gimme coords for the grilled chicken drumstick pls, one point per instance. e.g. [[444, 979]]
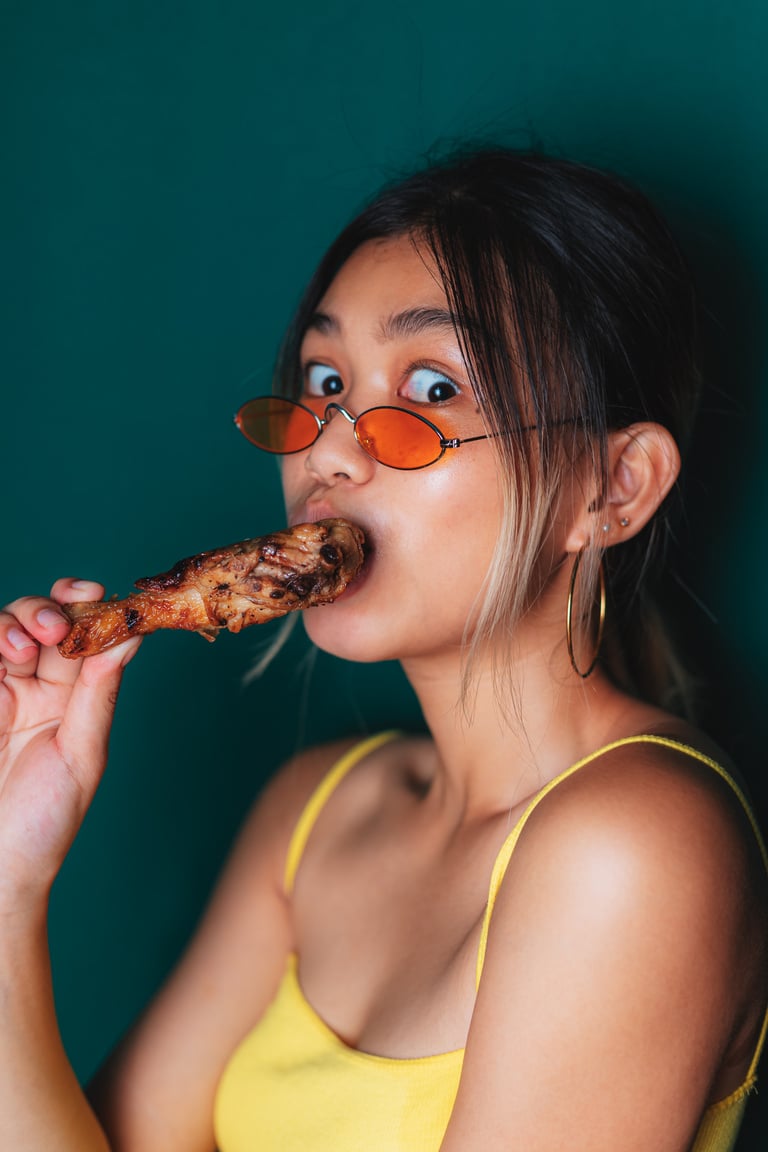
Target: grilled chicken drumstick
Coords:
[[246, 583]]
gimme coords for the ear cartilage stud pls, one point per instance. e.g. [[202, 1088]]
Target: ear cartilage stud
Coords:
[[624, 522]]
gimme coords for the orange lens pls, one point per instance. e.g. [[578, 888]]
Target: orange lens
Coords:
[[277, 425], [398, 438]]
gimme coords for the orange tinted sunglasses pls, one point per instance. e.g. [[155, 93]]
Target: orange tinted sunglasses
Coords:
[[393, 436]]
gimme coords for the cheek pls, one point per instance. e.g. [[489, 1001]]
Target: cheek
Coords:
[[452, 541], [463, 498], [292, 473]]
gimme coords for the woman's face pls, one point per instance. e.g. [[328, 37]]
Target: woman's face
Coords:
[[383, 336]]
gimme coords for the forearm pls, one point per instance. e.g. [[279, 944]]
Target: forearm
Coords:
[[42, 1108]]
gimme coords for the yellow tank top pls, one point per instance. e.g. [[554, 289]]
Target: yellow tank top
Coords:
[[294, 1086]]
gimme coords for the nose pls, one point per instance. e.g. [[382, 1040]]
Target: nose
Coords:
[[336, 454]]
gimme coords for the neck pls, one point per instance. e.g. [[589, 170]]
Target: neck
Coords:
[[508, 738]]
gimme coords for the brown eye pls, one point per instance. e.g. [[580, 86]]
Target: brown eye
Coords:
[[427, 386], [323, 381]]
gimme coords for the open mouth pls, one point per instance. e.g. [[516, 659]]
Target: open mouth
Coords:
[[368, 554], [314, 511], [361, 576]]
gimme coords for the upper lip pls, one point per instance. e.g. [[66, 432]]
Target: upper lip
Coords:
[[313, 510]]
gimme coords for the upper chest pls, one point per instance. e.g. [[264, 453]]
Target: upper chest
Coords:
[[388, 907]]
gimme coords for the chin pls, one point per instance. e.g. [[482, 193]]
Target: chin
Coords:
[[357, 627], [342, 638]]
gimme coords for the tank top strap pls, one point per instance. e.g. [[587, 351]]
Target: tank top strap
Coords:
[[320, 797], [508, 847]]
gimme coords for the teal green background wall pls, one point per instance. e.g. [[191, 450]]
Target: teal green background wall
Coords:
[[171, 171]]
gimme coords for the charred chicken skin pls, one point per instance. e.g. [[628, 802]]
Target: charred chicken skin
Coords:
[[234, 587]]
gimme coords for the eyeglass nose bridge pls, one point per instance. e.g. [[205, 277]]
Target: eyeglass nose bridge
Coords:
[[334, 407], [324, 420]]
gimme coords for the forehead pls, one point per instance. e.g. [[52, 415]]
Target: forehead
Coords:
[[382, 277]]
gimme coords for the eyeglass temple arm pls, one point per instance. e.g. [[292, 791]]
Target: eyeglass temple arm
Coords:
[[456, 443]]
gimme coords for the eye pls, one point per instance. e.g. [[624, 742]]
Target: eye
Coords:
[[427, 386], [320, 380]]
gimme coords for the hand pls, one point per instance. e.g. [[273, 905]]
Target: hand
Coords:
[[55, 719]]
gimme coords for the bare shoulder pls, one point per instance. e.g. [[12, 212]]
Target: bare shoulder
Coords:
[[275, 813], [274, 816], [648, 854], [661, 819], [659, 803], [380, 768], [630, 928]]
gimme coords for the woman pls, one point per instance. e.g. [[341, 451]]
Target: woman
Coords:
[[540, 927]]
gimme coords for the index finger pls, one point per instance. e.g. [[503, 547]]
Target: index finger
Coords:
[[31, 627], [67, 590]]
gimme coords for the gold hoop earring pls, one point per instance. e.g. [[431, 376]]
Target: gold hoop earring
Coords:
[[569, 617]]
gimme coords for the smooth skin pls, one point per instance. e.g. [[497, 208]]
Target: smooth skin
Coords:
[[625, 978]]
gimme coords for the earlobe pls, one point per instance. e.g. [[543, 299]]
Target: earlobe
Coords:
[[643, 463]]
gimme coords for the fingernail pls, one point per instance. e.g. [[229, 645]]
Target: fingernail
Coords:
[[48, 618], [80, 584], [19, 640]]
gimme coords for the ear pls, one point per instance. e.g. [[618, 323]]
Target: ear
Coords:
[[643, 463]]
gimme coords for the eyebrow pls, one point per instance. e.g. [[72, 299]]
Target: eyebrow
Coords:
[[414, 321], [398, 326]]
